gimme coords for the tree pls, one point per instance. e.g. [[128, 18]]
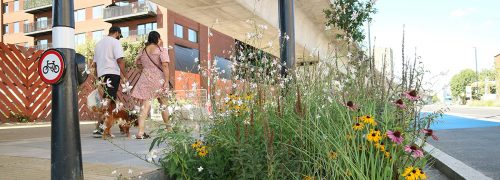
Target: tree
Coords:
[[460, 81], [488, 74]]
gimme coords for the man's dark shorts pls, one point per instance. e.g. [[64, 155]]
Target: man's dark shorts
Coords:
[[110, 92]]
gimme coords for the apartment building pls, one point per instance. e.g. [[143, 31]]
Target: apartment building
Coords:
[[28, 23]]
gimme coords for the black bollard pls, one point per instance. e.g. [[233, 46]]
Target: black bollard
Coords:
[[287, 40], [66, 152]]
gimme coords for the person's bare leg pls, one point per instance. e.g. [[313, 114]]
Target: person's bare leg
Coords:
[[146, 105], [164, 114]]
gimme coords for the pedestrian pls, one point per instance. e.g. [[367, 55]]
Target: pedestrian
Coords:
[[154, 78], [109, 65]]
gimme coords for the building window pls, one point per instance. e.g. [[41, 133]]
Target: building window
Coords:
[[16, 5], [224, 67], [97, 35], [16, 27], [178, 31], [144, 29], [123, 3], [42, 23], [185, 59], [97, 12], [6, 29], [79, 39], [192, 35], [80, 15], [125, 31], [6, 8]]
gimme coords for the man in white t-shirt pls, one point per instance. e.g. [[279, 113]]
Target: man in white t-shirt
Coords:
[[108, 65]]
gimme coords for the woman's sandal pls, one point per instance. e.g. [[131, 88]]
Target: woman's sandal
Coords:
[[144, 136]]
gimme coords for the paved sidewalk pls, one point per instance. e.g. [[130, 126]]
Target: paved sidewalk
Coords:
[[485, 113], [25, 154]]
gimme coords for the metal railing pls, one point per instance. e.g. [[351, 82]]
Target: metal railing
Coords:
[[38, 26], [129, 9], [135, 36], [32, 4], [43, 46]]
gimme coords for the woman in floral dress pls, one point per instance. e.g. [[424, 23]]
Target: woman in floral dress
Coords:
[[153, 79]]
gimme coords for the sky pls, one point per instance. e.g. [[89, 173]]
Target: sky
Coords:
[[444, 33]]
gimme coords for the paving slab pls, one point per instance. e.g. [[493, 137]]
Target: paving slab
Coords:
[[27, 155]]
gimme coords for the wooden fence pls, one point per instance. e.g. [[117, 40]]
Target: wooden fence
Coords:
[[24, 96]]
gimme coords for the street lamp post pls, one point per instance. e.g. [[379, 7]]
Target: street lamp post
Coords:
[[287, 32], [477, 75]]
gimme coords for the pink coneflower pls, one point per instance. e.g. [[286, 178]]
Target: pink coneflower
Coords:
[[399, 103], [351, 105], [430, 132], [412, 95], [396, 136], [415, 152]]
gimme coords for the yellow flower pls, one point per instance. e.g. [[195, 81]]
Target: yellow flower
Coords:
[[196, 144], [373, 136], [358, 126], [380, 146], [368, 120], [410, 173], [202, 151], [387, 154], [332, 155], [249, 97], [308, 178], [420, 174]]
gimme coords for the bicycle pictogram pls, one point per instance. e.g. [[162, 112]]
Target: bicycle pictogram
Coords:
[[52, 66]]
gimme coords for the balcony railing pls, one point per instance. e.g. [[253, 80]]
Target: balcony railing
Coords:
[[37, 28], [131, 10], [31, 6], [136, 35], [43, 46]]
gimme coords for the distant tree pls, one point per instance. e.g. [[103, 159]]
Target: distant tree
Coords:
[[460, 81], [487, 74]]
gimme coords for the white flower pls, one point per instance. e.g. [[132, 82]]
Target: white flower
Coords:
[[246, 122], [126, 87], [162, 81], [136, 110], [114, 172], [104, 102], [200, 169], [226, 99], [87, 70], [196, 60], [130, 171], [108, 83], [152, 155], [327, 28], [235, 85], [119, 105]]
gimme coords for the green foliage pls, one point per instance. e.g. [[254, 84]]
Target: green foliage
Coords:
[[460, 81], [131, 49], [489, 74], [19, 117], [297, 127], [349, 16]]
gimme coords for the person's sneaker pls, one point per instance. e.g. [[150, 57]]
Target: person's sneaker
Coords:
[[97, 133]]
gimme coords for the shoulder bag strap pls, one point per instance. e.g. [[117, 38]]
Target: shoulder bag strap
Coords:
[[169, 83]]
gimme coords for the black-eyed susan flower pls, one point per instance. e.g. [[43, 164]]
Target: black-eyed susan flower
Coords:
[[358, 126], [409, 173], [380, 146], [373, 136], [196, 144], [332, 155], [368, 120], [420, 173], [308, 178], [202, 151]]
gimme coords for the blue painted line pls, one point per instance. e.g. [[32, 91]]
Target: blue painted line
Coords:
[[457, 122]]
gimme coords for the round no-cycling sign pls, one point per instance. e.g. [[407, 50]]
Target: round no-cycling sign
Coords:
[[51, 66]]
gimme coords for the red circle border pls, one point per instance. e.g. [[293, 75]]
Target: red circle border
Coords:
[[45, 54]]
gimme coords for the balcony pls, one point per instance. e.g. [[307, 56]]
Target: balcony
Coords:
[[130, 11], [38, 28], [34, 6], [42, 46]]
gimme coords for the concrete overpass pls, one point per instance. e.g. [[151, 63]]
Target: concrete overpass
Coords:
[[238, 18]]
